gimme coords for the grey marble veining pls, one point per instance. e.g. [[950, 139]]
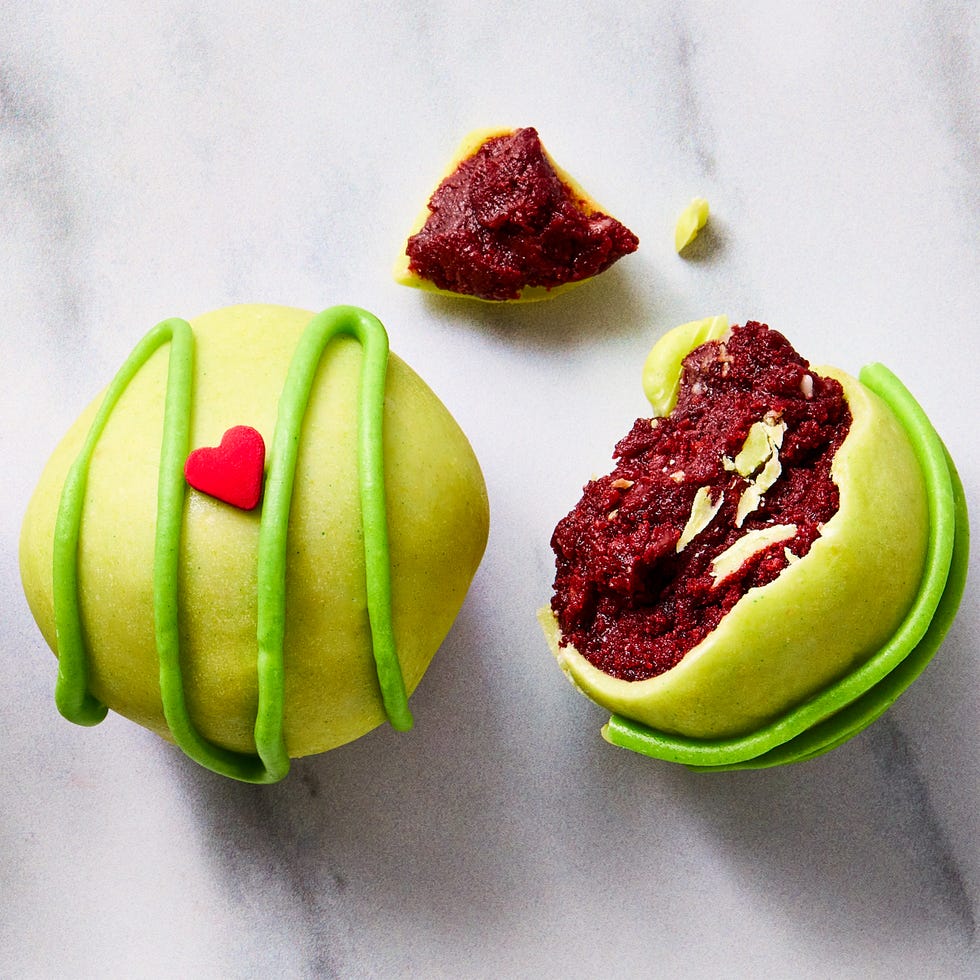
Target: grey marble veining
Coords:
[[924, 827], [175, 156]]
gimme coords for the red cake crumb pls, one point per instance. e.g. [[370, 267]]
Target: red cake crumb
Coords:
[[624, 597], [504, 220]]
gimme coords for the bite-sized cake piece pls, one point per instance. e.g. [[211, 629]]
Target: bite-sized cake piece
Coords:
[[506, 223], [254, 541], [764, 535]]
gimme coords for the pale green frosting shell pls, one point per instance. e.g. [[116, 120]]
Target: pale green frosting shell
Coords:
[[821, 617], [437, 519]]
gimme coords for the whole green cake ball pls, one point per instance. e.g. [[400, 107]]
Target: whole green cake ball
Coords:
[[338, 578]]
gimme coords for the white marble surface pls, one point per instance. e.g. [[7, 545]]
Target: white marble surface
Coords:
[[173, 156]]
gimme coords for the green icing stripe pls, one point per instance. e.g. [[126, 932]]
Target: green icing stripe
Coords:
[[323, 328], [71, 691], [171, 494]]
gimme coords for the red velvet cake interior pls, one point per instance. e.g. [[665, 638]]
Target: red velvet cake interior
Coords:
[[657, 552]]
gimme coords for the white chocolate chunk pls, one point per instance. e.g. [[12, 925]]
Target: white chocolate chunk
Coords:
[[751, 543], [764, 440], [760, 449], [755, 450], [770, 473], [702, 514], [748, 502]]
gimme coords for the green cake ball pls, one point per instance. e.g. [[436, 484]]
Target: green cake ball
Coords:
[[706, 546], [253, 635]]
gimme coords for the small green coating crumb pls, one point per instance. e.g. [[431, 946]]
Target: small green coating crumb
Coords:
[[692, 219]]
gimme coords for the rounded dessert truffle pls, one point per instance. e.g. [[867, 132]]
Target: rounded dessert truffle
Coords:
[[506, 223], [760, 539], [252, 636]]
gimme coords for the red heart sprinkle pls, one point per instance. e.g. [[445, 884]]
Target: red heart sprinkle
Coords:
[[231, 472]]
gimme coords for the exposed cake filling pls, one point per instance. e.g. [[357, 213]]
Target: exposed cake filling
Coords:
[[504, 220], [715, 499]]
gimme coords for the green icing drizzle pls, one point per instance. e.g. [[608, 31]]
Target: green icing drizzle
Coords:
[[271, 763], [71, 689]]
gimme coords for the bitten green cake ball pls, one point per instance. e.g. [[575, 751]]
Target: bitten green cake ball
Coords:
[[720, 600]]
